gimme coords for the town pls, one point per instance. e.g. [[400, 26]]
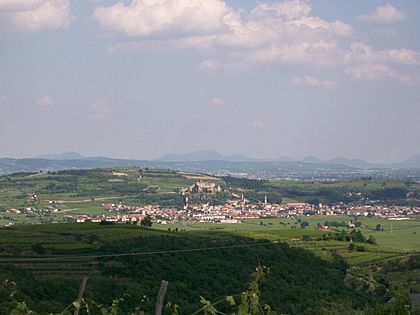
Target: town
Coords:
[[239, 209], [233, 210]]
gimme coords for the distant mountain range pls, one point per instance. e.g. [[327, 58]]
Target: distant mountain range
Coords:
[[211, 155], [209, 161]]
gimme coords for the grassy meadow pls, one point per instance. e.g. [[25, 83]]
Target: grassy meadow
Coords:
[[78, 192], [212, 274]]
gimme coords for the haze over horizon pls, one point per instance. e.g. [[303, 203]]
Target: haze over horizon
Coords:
[[137, 79], [209, 154]]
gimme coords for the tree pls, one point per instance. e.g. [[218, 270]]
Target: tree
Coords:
[[360, 248], [371, 240], [146, 222], [304, 224], [357, 236]]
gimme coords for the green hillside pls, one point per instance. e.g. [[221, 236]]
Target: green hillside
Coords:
[[84, 191], [313, 271], [299, 282], [76, 192]]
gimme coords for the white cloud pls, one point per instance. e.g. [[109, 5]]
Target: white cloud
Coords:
[[45, 101], [384, 14], [378, 73], [321, 53], [258, 124], [212, 24], [276, 33], [19, 4], [166, 17], [97, 111], [35, 15], [217, 101], [307, 80], [288, 9], [363, 52]]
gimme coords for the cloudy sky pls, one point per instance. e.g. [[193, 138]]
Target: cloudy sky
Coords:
[[141, 78]]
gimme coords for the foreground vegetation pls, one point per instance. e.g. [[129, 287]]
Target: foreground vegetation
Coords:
[[308, 275], [304, 282], [313, 270], [248, 302]]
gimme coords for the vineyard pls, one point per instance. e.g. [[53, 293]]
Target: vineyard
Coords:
[[83, 192], [209, 273], [312, 270], [47, 263]]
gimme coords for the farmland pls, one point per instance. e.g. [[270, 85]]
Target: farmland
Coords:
[[300, 252], [202, 276], [83, 192], [400, 236], [72, 245], [296, 248]]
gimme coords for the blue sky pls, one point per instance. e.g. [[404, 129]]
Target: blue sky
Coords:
[[141, 78]]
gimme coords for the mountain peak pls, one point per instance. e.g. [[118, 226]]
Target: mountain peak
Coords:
[[411, 162]]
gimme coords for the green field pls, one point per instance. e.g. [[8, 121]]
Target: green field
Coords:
[[389, 191], [295, 254], [84, 191], [195, 270], [397, 236], [403, 238], [209, 272]]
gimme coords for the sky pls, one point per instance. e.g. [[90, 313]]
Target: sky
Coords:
[[142, 78]]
